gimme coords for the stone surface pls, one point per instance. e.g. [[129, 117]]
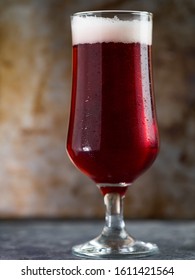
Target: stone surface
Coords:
[[53, 240], [36, 177]]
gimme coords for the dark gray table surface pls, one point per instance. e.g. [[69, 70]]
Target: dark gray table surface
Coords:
[[53, 239]]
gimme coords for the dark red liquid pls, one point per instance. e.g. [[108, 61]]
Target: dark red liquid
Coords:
[[113, 132]]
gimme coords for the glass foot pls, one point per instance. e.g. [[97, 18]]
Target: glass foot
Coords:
[[98, 248]]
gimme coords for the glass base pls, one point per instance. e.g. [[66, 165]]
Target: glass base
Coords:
[[127, 248], [114, 242]]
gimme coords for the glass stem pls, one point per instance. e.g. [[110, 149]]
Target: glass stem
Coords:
[[114, 222]]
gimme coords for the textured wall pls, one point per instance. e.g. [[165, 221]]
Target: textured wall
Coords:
[[36, 176]]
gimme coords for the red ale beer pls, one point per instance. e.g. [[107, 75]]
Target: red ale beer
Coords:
[[113, 133]]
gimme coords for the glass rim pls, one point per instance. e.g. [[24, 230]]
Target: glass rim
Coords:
[[133, 12]]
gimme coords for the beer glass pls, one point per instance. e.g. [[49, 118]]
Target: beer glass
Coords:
[[113, 135]]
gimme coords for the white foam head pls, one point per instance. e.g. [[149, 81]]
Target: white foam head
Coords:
[[92, 29]]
